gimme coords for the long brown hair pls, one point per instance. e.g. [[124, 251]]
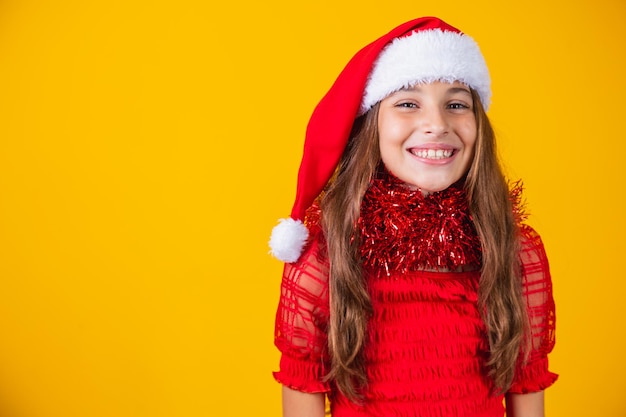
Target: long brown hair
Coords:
[[500, 299]]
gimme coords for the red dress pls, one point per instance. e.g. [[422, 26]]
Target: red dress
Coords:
[[426, 345]]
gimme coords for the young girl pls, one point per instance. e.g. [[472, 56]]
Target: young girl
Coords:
[[412, 287]]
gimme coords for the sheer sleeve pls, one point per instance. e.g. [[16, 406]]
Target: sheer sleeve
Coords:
[[533, 375], [302, 319]]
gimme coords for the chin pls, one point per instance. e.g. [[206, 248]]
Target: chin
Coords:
[[427, 183], [435, 188]]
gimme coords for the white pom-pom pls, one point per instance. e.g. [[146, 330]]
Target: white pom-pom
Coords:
[[288, 239]]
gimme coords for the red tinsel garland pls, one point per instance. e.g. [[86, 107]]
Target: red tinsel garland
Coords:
[[403, 230]]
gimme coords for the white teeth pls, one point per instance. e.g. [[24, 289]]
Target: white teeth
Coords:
[[433, 153]]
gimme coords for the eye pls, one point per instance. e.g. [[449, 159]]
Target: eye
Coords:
[[458, 106], [407, 105]]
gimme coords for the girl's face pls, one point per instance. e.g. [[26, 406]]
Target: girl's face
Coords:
[[427, 134]]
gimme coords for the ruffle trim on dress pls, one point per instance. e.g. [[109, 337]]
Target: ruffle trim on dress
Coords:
[[533, 377], [302, 375]]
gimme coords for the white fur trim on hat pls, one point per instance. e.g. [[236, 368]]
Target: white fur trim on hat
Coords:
[[288, 239], [425, 57]]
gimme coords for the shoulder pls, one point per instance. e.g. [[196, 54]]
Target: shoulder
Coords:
[[307, 278], [314, 254], [535, 274], [315, 249], [532, 253]]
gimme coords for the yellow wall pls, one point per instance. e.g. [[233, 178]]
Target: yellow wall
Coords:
[[148, 147]]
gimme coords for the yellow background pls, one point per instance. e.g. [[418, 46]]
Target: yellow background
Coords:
[[148, 147]]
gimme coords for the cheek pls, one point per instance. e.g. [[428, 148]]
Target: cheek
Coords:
[[471, 154], [391, 129], [470, 135], [386, 138], [471, 144], [391, 140], [469, 138]]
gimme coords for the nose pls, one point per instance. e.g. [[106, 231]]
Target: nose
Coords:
[[435, 123]]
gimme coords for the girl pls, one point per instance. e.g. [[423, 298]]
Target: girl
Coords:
[[412, 287]]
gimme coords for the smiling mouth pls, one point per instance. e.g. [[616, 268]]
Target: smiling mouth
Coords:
[[432, 153]]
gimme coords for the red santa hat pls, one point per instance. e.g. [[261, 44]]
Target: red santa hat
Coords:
[[420, 51]]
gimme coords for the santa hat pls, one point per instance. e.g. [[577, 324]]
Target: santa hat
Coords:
[[420, 51]]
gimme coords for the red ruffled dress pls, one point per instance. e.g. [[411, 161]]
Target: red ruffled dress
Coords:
[[426, 342]]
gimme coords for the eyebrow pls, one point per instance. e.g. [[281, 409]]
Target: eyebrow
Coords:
[[459, 90]]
